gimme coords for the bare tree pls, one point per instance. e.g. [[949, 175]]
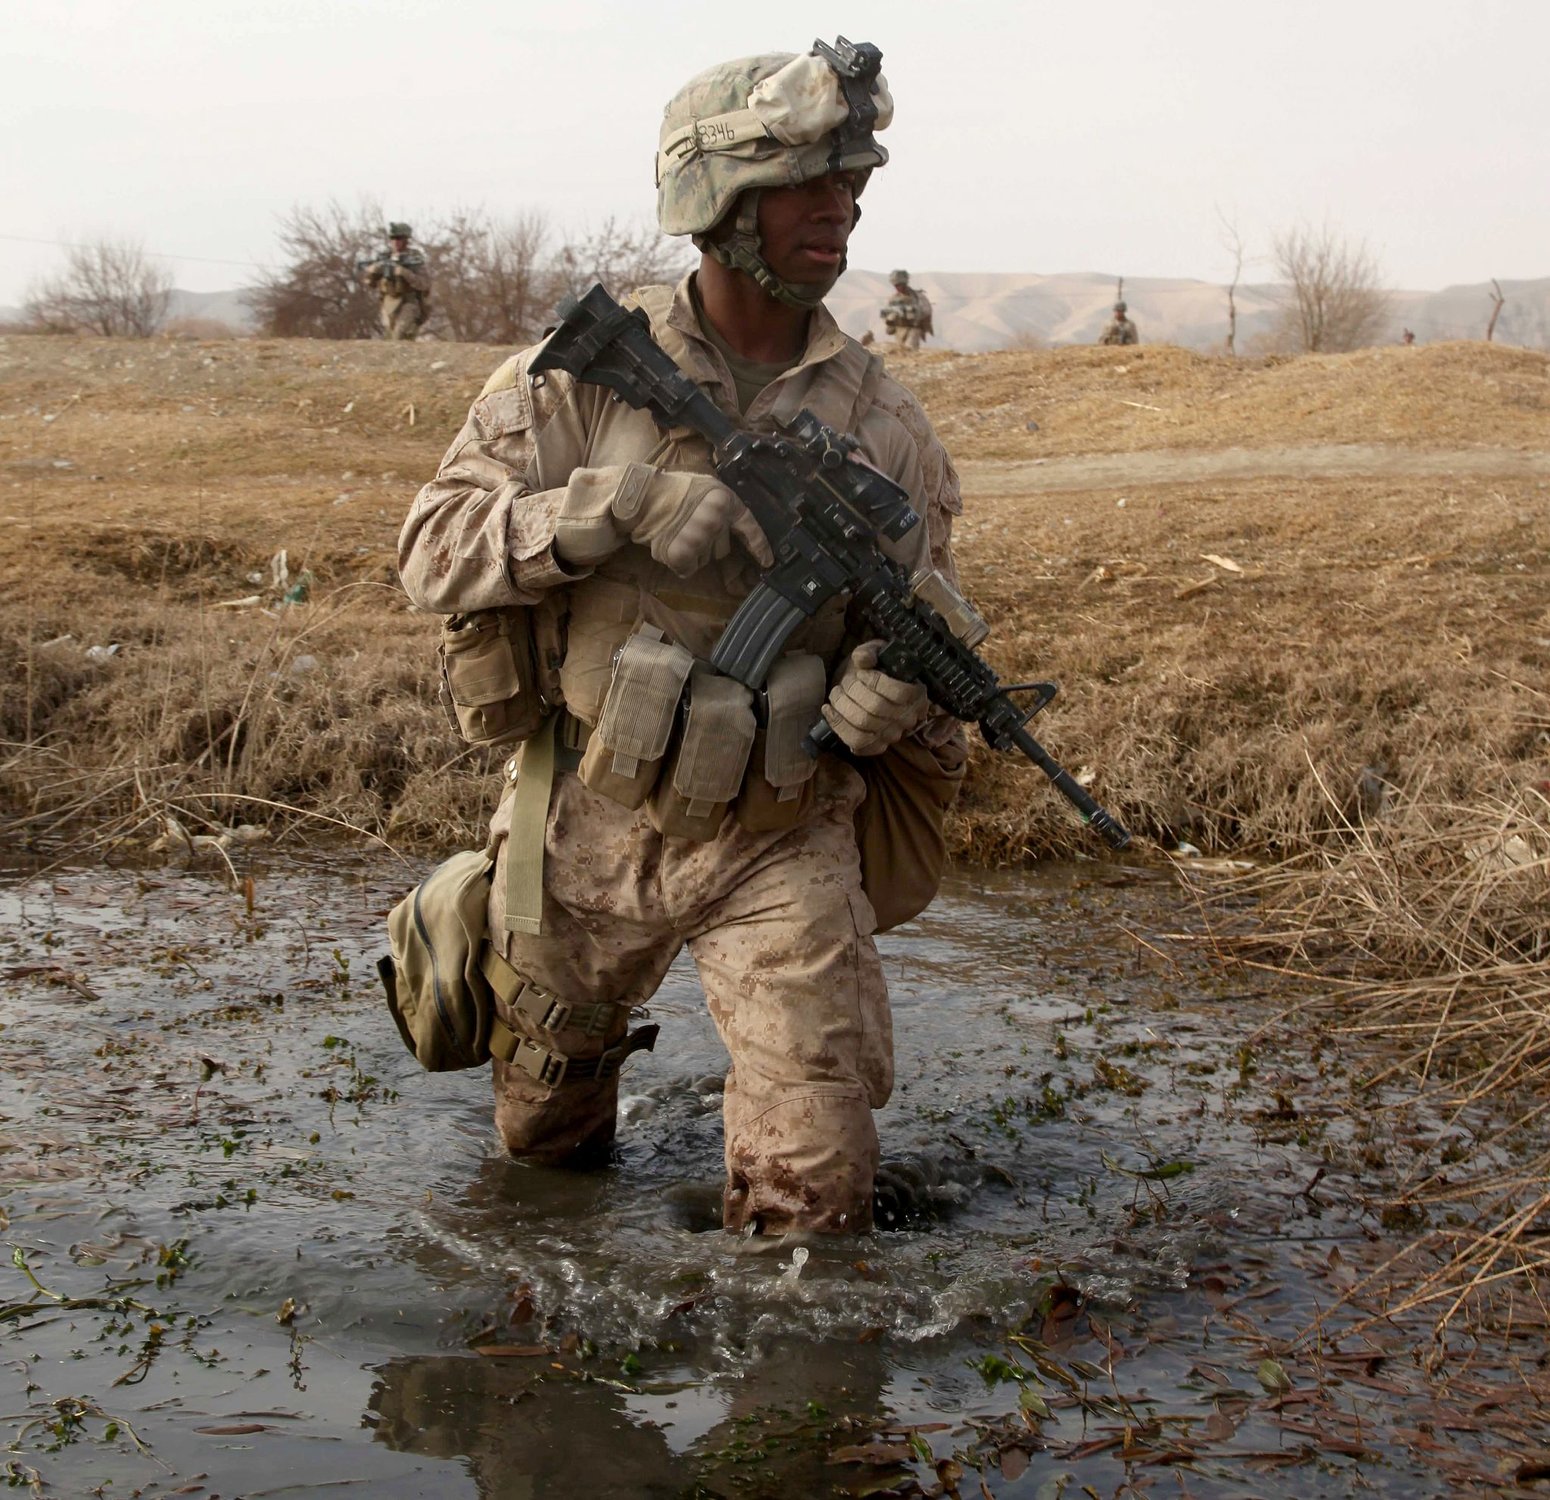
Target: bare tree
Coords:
[[1497, 303], [107, 287], [317, 294], [622, 257], [1233, 240], [492, 283], [1337, 301]]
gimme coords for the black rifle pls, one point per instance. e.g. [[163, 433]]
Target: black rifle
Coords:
[[392, 264], [822, 507]]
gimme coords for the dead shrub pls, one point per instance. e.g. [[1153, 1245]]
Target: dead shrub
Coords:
[[108, 287], [1426, 929]]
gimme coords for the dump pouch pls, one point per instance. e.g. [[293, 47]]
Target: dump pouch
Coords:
[[778, 790], [909, 789], [709, 760], [499, 671], [436, 988], [624, 755]]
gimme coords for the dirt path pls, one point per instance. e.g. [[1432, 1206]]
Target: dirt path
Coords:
[[1098, 471]]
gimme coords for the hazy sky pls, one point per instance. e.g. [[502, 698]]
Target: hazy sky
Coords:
[[1036, 136]]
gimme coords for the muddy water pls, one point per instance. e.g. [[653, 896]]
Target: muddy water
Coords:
[[258, 1252]]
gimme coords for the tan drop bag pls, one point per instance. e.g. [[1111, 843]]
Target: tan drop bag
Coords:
[[436, 988]]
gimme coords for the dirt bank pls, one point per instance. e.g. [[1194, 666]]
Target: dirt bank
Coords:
[[1261, 584]]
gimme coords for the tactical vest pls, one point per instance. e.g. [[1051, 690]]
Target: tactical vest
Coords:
[[653, 723]]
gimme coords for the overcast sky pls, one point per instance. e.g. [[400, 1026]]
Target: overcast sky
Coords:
[[1035, 136]]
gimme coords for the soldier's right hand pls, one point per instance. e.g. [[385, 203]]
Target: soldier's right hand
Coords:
[[685, 520]]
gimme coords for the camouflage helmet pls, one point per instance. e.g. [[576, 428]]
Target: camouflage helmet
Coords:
[[899, 278], [1119, 309], [770, 121], [397, 230]]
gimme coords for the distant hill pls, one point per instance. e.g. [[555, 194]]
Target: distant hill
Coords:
[[990, 310], [225, 307], [979, 310]]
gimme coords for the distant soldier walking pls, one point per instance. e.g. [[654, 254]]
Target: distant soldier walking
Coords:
[[1120, 329], [402, 283], [907, 314]]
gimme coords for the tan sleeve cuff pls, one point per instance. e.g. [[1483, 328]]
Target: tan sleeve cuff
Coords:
[[542, 572]]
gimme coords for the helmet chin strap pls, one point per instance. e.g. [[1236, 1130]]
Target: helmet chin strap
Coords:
[[741, 250]]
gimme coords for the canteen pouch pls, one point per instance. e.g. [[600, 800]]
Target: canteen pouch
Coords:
[[624, 755], [436, 990], [499, 672], [712, 753], [778, 790]]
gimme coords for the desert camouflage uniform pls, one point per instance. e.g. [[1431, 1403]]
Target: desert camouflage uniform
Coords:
[[401, 283], [907, 317], [776, 922], [1120, 330]]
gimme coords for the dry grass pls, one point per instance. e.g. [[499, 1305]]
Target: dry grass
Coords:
[[1375, 623], [1102, 400], [1425, 929]]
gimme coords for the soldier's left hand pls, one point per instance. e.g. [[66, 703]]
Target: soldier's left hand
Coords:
[[870, 710]]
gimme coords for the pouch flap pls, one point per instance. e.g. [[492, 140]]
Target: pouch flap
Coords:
[[795, 691], [642, 703], [717, 739]]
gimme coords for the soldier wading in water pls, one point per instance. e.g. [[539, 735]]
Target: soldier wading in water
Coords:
[[662, 806]]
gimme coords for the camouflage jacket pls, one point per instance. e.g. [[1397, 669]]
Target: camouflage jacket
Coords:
[[480, 534], [1120, 331]]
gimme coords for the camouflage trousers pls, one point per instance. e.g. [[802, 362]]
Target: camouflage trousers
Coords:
[[906, 337], [780, 931], [401, 317]]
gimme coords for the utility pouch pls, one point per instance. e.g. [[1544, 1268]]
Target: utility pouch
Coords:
[[910, 788], [778, 790], [624, 755], [712, 755], [498, 672], [436, 988]]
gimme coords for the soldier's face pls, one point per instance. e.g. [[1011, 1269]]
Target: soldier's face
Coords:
[[399, 244], [803, 230]]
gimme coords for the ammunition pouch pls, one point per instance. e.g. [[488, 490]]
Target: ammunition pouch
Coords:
[[500, 671], [778, 790], [692, 797], [624, 755]]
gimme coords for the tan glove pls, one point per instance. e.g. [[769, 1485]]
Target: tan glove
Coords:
[[870, 710], [686, 520]]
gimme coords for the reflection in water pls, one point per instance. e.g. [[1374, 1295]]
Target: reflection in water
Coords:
[[529, 1432], [521, 1436]]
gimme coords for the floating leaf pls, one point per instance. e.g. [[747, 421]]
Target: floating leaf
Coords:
[[1034, 1404], [1273, 1377], [1014, 1464]]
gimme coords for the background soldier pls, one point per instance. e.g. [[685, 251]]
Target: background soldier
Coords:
[[402, 283], [676, 816], [907, 314], [1120, 329]]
